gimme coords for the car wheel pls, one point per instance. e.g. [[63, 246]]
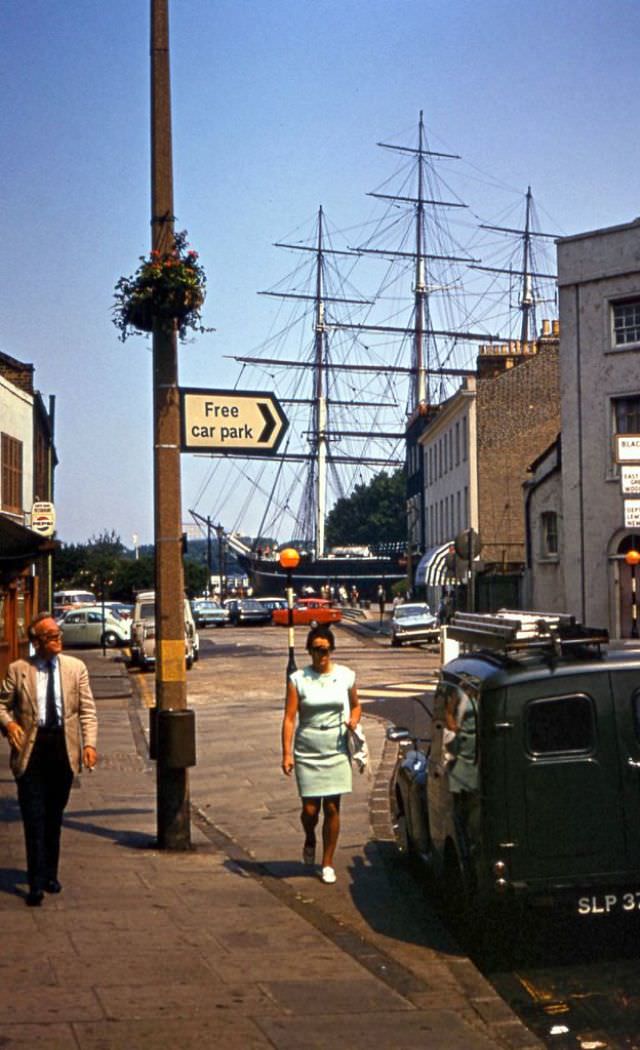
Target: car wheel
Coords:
[[220, 624], [401, 831], [189, 662], [110, 639], [396, 643]]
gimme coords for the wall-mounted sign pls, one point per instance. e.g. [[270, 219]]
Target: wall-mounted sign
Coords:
[[628, 448], [630, 479], [632, 514], [238, 422], [43, 518]]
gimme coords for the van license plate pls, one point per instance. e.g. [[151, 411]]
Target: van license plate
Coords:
[[609, 903]]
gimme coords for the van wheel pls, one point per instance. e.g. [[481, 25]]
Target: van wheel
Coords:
[[110, 639], [189, 662], [396, 643]]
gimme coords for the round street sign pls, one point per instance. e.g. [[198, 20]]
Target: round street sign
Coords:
[[43, 518]]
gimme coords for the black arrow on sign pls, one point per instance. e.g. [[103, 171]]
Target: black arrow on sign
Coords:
[[269, 423]]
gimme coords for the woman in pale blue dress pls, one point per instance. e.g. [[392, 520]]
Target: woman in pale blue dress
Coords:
[[324, 700]]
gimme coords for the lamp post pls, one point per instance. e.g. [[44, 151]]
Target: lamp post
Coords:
[[632, 558], [289, 560]]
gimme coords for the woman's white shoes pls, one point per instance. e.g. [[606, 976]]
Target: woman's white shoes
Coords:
[[328, 875]]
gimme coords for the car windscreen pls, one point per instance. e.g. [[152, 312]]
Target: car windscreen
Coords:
[[248, 603], [148, 611], [411, 610]]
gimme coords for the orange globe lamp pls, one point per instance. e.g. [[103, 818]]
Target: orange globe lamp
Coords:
[[289, 558], [632, 557]]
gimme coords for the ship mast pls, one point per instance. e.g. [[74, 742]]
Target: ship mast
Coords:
[[320, 399], [528, 298], [420, 291]]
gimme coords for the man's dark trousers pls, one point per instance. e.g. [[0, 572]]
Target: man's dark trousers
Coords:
[[43, 792]]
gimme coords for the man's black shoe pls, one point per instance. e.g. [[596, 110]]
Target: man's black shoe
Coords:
[[53, 886], [35, 898]]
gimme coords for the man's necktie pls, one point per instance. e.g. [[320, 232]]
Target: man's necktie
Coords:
[[51, 714]]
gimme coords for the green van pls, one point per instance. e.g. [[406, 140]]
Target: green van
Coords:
[[529, 787]]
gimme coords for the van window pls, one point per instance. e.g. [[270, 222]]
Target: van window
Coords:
[[560, 725]]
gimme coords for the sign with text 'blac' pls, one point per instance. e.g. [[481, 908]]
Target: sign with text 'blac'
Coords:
[[628, 448], [237, 422]]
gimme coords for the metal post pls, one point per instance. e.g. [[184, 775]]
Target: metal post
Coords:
[[209, 555], [289, 559], [291, 663], [634, 603], [471, 598], [104, 647], [173, 817]]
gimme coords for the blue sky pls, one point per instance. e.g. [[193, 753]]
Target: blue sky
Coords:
[[277, 107]]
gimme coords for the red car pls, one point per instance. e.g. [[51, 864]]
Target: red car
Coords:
[[308, 611]]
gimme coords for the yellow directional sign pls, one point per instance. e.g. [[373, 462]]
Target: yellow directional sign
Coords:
[[238, 422]]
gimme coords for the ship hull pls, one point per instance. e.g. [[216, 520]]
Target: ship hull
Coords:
[[366, 574]]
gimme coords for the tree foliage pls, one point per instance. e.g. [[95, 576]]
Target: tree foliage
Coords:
[[374, 513], [104, 563]]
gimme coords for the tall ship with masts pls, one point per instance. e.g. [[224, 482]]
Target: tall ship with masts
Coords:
[[371, 363]]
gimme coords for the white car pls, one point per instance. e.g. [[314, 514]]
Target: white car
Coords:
[[85, 626], [414, 622], [143, 632]]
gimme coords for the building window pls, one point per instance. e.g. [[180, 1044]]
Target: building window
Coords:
[[457, 443], [627, 415], [11, 459], [626, 322], [549, 525], [464, 439]]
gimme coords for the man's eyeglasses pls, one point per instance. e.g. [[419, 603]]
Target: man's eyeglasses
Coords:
[[50, 636], [320, 649]]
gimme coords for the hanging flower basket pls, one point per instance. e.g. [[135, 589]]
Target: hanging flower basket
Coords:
[[167, 289]]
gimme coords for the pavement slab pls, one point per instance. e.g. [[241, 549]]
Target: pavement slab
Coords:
[[233, 943]]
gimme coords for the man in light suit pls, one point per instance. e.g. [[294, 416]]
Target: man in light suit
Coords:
[[48, 714]]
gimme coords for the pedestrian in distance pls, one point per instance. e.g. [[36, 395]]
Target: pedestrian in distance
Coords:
[[382, 598], [323, 699], [48, 714]]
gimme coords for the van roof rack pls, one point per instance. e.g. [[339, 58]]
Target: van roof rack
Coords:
[[511, 629]]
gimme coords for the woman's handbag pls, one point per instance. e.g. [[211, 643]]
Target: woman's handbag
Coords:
[[358, 748]]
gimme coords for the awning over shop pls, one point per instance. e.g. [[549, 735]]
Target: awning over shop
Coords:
[[432, 567], [19, 545]]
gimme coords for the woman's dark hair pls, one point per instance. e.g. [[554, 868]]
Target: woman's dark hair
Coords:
[[321, 630]]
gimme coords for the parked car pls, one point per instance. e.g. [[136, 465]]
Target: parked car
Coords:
[[143, 632], [527, 788], [414, 622], [273, 603], [208, 613], [308, 611], [247, 611], [85, 626], [121, 609]]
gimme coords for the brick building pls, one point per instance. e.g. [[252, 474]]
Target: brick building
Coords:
[[27, 462], [518, 409], [476, 454]]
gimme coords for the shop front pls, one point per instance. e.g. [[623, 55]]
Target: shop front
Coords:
[[23, 574]]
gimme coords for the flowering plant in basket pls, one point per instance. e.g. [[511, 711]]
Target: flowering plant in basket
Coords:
[[167, 286]]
